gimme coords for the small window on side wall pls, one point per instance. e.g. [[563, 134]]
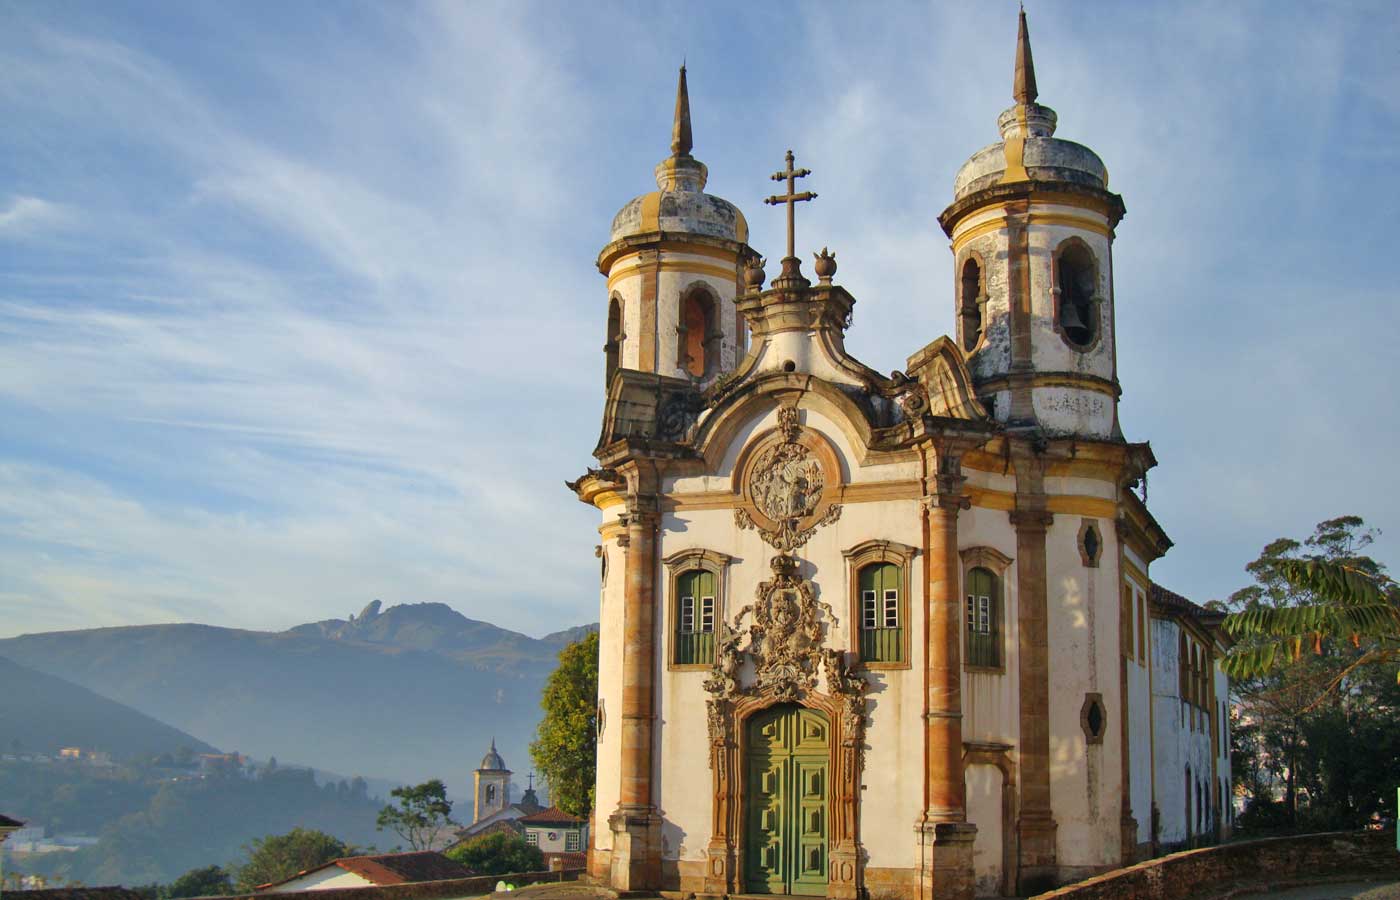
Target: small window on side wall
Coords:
[[981, 613], [881, 614]]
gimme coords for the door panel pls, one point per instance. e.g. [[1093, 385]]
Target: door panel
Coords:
[[786, 839]]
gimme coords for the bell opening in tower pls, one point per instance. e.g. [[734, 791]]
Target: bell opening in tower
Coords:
[[1078, 319]]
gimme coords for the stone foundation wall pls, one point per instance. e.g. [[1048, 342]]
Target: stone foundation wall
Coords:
[[1219, 871]]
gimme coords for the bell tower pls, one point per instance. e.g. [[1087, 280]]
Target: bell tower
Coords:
[[490, 785], [674, 263], [1032, 226]]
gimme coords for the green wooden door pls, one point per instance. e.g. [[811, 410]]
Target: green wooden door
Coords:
[[788, 753]]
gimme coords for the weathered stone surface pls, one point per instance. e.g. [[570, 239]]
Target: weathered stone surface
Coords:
[[1222, 871]]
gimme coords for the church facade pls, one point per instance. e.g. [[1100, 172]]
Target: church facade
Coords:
[[886, 636]]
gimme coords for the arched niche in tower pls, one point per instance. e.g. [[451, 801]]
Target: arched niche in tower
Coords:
[[612, 349], [698, 334], [972, 280], [1076, 273]]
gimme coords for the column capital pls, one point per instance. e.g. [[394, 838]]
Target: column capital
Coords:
[[948, 500], [1030, 519]]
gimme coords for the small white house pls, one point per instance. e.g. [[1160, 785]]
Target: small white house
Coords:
[[557, 833]]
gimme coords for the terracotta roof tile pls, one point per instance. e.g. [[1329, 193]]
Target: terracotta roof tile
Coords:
[[7, 822], [551, 816], [1173, 601], [403, 868]]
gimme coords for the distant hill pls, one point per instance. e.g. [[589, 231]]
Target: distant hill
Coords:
[[41, 713], [411, 692]]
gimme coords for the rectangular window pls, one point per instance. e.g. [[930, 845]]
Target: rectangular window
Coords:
[[532, 838], [697, 606], [980, 627], [881, 618], [571, 842]]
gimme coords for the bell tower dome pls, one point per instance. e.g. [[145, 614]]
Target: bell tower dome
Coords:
[[490, 785], [1032, 226], [674, 263]]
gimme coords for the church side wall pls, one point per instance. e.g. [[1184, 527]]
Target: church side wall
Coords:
[[992, 701], [1140, 717], [609, 684], [1085, 777]]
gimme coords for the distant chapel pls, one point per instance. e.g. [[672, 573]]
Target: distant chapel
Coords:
[[886, 636]]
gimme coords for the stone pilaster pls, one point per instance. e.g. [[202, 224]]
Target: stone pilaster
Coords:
[[946, 836], [1018, 285], [1036, 824], [636, 853]]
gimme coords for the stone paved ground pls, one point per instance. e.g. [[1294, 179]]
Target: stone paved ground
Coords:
[[565, 890], [1349, 891]]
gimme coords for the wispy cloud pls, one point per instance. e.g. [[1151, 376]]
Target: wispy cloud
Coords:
[[306, 313]]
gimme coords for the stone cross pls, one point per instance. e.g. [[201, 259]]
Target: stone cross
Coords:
[[791, 198]]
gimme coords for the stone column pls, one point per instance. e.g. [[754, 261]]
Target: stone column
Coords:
[[1036, 824], [636, 853], [1018, 287], [946, 836]]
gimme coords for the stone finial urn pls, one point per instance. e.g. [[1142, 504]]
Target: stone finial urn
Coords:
[[826, 265]]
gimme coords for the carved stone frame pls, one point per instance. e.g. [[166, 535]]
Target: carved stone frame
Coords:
[[999, 755], [857, 558], [998, 564], [677, 564], [979, 303], [724, 867], [1085, 526]]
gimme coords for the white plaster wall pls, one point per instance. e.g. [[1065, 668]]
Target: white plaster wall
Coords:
[[992, 702], [984, 786], [542, 833], [1085, 779], [1140, 729], [608, 783], [1176, 744], [323, 880], [629, 288]]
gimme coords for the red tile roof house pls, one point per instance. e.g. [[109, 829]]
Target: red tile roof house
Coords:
[[560, 836], [371, 871]]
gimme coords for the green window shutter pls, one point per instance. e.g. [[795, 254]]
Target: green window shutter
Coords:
[[696, 610], [882, 613], [983, 613]]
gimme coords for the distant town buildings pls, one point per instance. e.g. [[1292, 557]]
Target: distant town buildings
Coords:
[[492, 809]]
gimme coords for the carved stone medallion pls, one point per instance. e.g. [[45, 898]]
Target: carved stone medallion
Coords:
[[785, 486]]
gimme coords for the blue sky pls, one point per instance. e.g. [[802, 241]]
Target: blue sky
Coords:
[[298, 306]]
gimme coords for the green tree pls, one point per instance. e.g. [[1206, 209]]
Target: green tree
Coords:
[[498, 853], [276, 857], [423, 814], [210, 881], [1316, 702], [565, 749]]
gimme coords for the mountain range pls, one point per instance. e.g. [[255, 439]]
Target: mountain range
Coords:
[[411, 692]]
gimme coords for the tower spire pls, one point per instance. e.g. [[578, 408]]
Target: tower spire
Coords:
[[680, 130], [1023, 88]]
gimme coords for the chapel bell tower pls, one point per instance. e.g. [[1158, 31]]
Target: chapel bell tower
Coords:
[[1032, 226], [490, 785], [674, 263]]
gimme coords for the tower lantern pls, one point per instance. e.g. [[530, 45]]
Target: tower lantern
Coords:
[[1032, 227], [674, 262]]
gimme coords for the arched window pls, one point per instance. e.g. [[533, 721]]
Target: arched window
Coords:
[[970, 303], [1076, 277], [696, 605], [698, 334], [695, 617], [881, 613], [612, 350], [490, 793], [982, 615]]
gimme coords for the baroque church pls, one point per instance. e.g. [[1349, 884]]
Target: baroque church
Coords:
[[869, 635]]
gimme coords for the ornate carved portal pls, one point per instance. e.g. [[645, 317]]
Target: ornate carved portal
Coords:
[[781, 657]]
